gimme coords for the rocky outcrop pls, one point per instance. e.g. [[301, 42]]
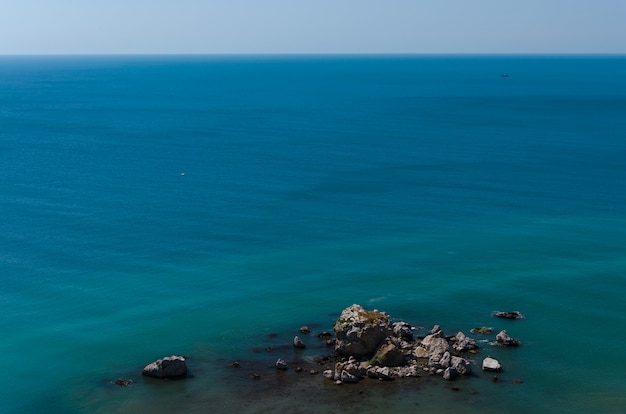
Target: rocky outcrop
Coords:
[[377, 348], [168, 367], [360, 332]]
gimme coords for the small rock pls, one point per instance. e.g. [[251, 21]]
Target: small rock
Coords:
[[324, 335], [281, 365], [255, 376], [305, 329], [123, 382], [491, 364], [297, 343], [504, 339], [450, 374], [235, 365], [508, 315], [348, 378], [298, 369]]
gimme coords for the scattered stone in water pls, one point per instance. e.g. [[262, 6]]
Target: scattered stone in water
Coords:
[[503, 339], [314, 372], [272, 335], [298, 369], [269, 349], [324, 335], [491, 364], [508, 315], [297, 343], [473, 391], [168, 367], [235, 365], [495, 378], [482, 330], [255, 376], [305, 329], [455, 388], [123, 382], [281, 364], [518, 381]]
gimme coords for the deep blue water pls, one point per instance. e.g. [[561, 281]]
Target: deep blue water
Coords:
[[190, 205]]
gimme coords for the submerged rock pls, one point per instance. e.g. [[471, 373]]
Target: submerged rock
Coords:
[[168, 367], [508, 315]]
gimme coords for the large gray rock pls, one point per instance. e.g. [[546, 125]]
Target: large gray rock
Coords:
[[436, 343], [461, 365], [168, 367], [360, 332], [462, 343], [388, 355], [491, 364]]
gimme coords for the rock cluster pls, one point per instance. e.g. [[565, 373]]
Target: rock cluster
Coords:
[[372, 346]]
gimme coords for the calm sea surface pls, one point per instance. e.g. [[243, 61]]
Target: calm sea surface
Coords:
[[192, 205]]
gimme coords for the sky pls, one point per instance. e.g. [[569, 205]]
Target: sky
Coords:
[[312, 26]]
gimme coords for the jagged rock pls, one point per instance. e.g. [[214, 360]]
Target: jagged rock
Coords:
[[436, 346], [439, 361], [329, 374], [297, 343], [462, 343], [503, 339], [305, 329], [168, 367], [380, 373], [324, 335], [408, 371], [436, 329], [461, 365], [348, 378], [281, 364], [403, 330], [450, 374], [360, 332], [491, 364], [388, 355]]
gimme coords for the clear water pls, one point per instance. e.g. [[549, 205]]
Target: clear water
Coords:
[[191, 205]]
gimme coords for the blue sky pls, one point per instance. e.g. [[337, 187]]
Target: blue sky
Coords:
[[312, 26]]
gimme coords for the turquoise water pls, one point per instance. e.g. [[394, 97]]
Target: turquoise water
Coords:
[[192, 205]]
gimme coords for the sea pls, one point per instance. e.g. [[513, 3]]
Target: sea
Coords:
[[210, 206]]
